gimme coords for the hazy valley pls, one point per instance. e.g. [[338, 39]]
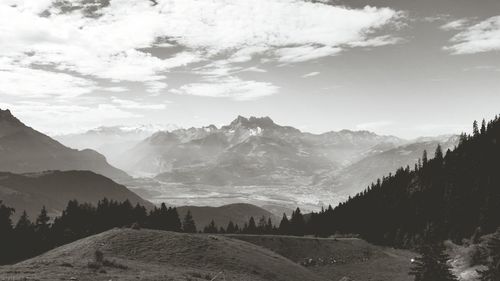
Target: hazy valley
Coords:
[[254, 160]]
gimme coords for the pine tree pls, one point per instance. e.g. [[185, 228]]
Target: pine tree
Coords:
[[230, 227], [24, 237], [284, 227], [425, 160], [483, 127], [211, 228], [42, 221], [438, 155], [492, 273], [269, 226], [188, 225], [297, 223], [261, 228], [475, 129], [6, 233], [432, 264], [251, 228], [42, 228]]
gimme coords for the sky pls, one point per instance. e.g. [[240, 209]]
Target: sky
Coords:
[[406, 68]]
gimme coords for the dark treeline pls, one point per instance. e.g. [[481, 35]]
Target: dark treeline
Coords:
[[28, 238], [295, 226], [452, 196]]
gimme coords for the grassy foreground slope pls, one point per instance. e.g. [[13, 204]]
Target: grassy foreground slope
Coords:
[[335, 259], [159, 255]]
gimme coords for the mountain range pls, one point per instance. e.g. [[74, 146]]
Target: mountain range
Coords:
[[258, 152], [249, 151], [255, 151]]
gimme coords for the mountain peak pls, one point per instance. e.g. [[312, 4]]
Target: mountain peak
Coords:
[[6, 115], [9, 123], [252, 122]]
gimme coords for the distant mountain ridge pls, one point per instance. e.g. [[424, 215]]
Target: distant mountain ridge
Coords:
[[238, 213], [23, 149], [53, 189], [112, 141]]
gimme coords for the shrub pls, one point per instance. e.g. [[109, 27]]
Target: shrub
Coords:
[[98, 256]]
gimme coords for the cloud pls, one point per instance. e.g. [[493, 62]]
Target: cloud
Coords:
[[37, 83], [305, 53], [372, 126], [228, 87], [310, 74], [118, 42], [130, 104], [455, 25], [478, 38], [48, 117], [115, 89]]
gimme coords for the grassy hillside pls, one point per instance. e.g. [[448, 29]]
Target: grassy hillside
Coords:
[[158, 255], [335, 259]]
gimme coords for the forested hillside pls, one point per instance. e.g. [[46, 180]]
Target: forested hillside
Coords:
[[453, 195]]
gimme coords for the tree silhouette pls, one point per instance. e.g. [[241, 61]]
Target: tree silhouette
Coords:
[[230, 227], [297, 223], [492, 273], [432, 265], [251, 227], [284, 227], [25, 237], [188, 225], [6, 233], [211, 227]]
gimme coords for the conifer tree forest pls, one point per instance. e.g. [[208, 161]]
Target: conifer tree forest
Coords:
[[452, 195]]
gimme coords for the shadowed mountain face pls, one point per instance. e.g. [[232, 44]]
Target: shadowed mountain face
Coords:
[[249, 151], [237, 213], [54, 189], [23, 149]]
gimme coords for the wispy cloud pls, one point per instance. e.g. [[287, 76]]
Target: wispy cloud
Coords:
[[311, 74], [455, 25], [478, 38], [228, 87], [130, 104]]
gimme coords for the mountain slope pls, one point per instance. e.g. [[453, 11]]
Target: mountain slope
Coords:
[[55, 188], [237, 213], [160, 255], [449, 197], [361, 174], [22, 149]]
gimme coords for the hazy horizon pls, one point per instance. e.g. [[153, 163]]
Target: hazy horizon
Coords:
[[155, 127]]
